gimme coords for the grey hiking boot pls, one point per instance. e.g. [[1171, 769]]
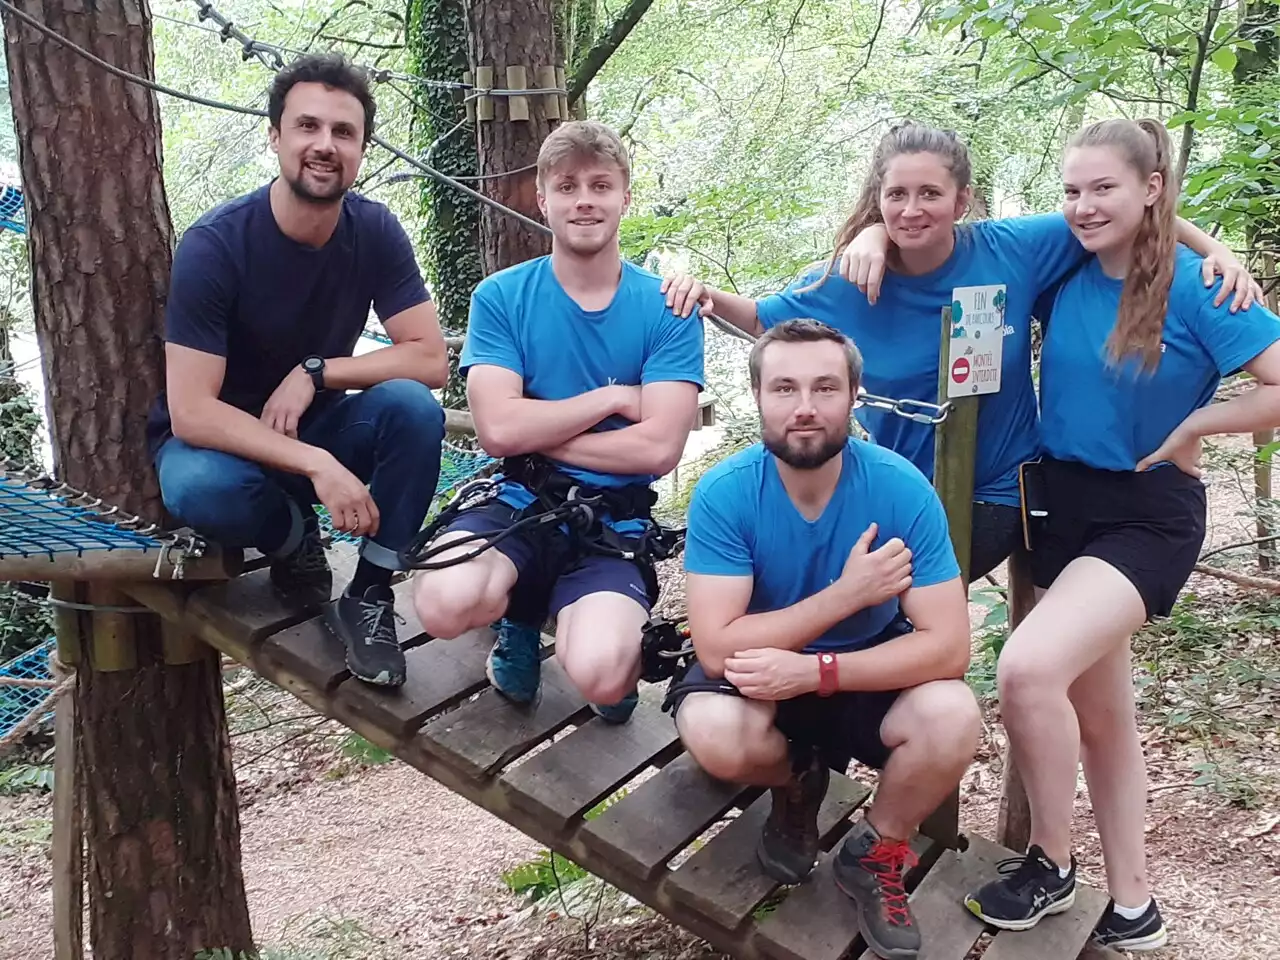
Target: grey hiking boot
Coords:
[[872, 871], [788, 845]]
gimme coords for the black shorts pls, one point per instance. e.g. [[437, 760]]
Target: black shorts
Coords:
[[1149, 526], [841, 727], [550, 572], [996, 530]]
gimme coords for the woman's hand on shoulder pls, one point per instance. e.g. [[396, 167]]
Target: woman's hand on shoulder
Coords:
[[1237, 282], [684, 292], [863, 261]]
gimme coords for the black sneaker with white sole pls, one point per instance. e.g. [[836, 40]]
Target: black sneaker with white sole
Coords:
[[1030, 888], [1119, 933], [367, 628], [304, 576]]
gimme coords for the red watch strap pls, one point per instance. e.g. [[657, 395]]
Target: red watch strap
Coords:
[[828, 674]]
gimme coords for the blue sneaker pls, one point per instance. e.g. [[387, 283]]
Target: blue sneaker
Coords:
[[619, 712], [514, 666]]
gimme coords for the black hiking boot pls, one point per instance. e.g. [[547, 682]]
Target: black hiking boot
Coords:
[[1031, 888], [872, 872], [788, 845], [305, 575], [367, 628], [1119, 933]]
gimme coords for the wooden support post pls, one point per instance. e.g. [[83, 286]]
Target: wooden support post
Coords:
[[66, 623], [1261, 492], [484, 81], [564, 97], [955, 443], [180, 645], [112, 646], [469, 78], [546, 79], [1013, 825], [68, 835], [517, 79]]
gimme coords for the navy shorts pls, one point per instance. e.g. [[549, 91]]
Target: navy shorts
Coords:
[[550, 573], [842, 727], [1149, 526]]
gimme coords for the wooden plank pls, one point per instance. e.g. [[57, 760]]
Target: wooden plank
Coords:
[[571, 775], [67, 853], [114, 566], [1061, 937], [1013, 823], [441, 674], [817, 921], [307, 652], [113, 644], [724, 879], [489, 732], [947, 930], [650, 825], [236, 615]]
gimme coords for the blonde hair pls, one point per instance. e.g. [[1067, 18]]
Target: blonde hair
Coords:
[[1144, 300], [582, 140], [904, 138]]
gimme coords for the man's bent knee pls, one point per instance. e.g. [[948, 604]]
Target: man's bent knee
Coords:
[[599, 645], [725, 734], [453, 600], [410, 405], [215, 492], [944, 715]]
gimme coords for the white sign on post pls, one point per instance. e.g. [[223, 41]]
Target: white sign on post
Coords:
[[977, 340]]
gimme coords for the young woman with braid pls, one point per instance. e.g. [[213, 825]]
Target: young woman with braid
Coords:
[[918, 186], [1134, 351]]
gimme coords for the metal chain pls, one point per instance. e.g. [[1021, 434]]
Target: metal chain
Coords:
[[917, 411]]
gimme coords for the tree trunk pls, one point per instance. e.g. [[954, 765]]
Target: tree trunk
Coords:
[[511, 33], [162, 825], [576, 23], [451, 236]]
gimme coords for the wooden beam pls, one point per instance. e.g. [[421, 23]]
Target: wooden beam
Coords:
[[1013, 824], [68, 837], [117, 565], [459, 422]]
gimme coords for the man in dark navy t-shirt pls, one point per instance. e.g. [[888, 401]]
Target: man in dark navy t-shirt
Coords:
[[269, 294]]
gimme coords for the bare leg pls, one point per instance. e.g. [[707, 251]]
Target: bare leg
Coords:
[[451, 601], [1088, 613], [598, 644], [933, 731], [1116, 771], [734, 739]]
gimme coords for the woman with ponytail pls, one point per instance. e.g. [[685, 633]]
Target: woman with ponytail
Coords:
[[917, 188], [1132, 357]]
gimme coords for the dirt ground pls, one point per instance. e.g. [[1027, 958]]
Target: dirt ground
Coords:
[[350, 859]]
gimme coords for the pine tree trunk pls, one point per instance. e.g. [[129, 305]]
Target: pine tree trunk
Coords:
[[437, 39], [162, 825], [511, 33]]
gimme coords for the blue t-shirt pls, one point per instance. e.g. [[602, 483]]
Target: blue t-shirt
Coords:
[[522, 320], [242, 290], [742, 523], [899, 338], [1110, 417]]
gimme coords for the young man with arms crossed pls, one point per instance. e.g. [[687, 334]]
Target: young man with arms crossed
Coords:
[[830, 623], [576, 359], [269, 294]]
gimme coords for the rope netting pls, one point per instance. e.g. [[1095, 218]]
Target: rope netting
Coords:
[[34, 685], [12, 214], [39, 517]]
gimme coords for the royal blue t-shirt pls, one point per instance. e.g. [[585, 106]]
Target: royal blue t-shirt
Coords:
[[899, 338], [242, 290], [522, 320], [742, 523], [1110, 417]]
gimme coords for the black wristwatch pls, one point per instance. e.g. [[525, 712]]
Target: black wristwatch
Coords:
[[314, 368]]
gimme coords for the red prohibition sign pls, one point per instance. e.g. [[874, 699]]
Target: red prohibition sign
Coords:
[[960, 370]]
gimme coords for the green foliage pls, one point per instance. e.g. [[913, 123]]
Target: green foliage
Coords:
[[549, 872], [356, 747], [26, 778], [25, 622], [20, 423], [990, 638]]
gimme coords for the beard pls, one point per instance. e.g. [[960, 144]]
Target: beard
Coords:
[[808, 453], [323, 197]]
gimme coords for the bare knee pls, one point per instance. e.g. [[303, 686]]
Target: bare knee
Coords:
[[723, 740], [451, 601], [943, 717], [598, 644], [1023, 680]]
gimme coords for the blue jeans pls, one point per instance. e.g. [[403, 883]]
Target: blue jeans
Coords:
[[388, 435]]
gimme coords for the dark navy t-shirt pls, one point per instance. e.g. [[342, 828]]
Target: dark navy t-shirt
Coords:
[[242, 290]]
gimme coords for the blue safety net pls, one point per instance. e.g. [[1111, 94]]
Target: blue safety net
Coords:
[[36, 522], [12, 211], [457, 466], [17, 702]]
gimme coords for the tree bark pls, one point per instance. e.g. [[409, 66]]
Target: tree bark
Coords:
[[162, 826], [511, 33]]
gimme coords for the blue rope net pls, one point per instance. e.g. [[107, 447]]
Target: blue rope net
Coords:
[[12, 211], [17, 702], [457, 466], [37, 522]]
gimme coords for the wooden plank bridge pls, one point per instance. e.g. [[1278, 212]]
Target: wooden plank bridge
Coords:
[[542, 769]]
